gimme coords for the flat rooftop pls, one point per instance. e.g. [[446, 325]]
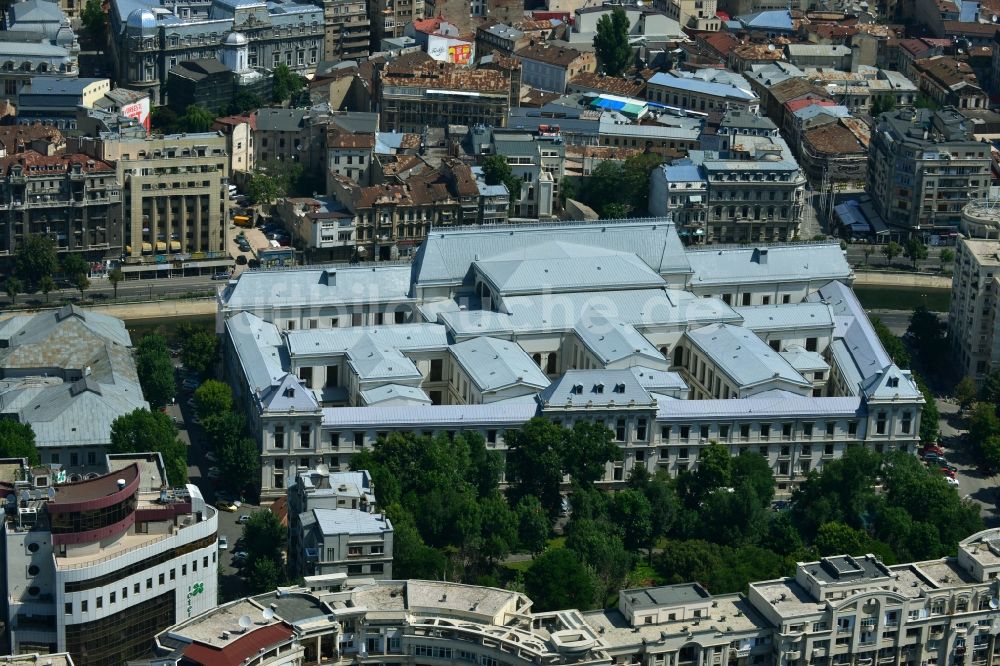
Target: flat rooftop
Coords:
[[666, 595]]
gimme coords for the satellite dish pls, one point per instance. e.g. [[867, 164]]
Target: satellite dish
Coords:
[[268, 614], [994, 603], [25, 496], [11, 499], [323, 469], [245, 622], [52, 492]]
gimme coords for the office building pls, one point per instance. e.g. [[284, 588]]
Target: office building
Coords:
[[97, 567], [491, 327], [537, 159], [415, 92], [175, 199], [549, 67], [347, 30], [923, 167], [69, 374], [149, 39]]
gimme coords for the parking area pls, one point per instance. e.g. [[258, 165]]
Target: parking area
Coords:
[[972, 484]]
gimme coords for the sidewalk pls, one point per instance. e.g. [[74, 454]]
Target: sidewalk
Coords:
[[194, 307], [902, 279]]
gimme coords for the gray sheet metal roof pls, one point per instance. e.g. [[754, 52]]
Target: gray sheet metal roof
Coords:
[[611, 340], [447, 254], [860, 339], [596, 388], [756, 407], [700, 87], [786, 316], [454, 417], [744, 357], [561, 266], [812, 262], [653, 379], [350, 521], [405, 337], [804, 361], [390, 392], [374, 361], [259, 347], [497, 364], [317, 287], [289, 395]]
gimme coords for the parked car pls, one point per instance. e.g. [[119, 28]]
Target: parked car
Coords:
[[951, 481], [240, 557], [210, 457], [244, 519], [931, 448], [223, 542], [221, 275], [934, 458], [947, 472], [226, 506]]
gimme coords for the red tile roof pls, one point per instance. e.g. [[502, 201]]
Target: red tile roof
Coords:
[[245, 646], [36, 163], [797, 104]]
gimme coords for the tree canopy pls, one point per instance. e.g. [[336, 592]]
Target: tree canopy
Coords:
[[286, 83], [17, 440], [212, 398], [611, 42], [619, 189], [199, 348], [496, 170], [36, 259], [155, 370], [558, 579], [140, 431]]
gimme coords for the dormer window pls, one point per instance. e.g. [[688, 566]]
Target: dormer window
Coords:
[[893, 382], [619, 388], [598, 388], [577, 389], [289, 392]]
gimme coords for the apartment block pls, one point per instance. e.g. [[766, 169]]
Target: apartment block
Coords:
[[923, 167], [97, 567], [973, 318], [347, 30]]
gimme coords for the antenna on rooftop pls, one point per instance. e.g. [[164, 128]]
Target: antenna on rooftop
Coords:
[[323, 469], [52, 492], [245, 622], [268, 614]]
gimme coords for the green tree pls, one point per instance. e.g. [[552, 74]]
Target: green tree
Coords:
[[264, 536], [239, 464], [93, 17], [223, 429], [598, 545], [915, 250], [633, 514], [286, 83], [411, 557], [890, 251], [115, 277], [496, 170], [36, 259], [983, 423], [211, 398], [557, 579], [265, 575], [164, 119], [712, 472], [46, 284], [199, 348], [17, 440], [840, 539], [966, 392], [141, 430], [13, 287], [499, 527], [894, 347], [586, 449], [989, 391], [868, 251], [73, 264], [81, 282], [264, 188], [946, 257], [611, 42], [929, 415], [196, 119], [533, 525], [615, 210], [155, 370], [534, 462], [882, 104], [244, 102], [989, 455]]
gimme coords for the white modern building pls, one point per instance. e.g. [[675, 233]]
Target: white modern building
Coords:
[[614, 321], [837, 610], [97, 567]]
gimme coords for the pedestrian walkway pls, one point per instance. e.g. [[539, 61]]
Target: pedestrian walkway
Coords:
[[902, 279]]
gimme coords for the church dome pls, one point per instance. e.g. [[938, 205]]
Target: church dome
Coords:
[[236, 39]]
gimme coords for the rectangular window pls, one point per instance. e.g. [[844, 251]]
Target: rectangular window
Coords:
[[112, 597], [100, 602], [437, 369], [334, 440], [852, 428], [665, 432], [685, 432], [786, 430], [68, 607], [305, 439], [830, 428], [359, 440], [704, 432], [640, 430], [765, 430], [620, 430], [906, 423], [880, 423], [723, 432], [811, 344], [83, 606], [279, 437], [807, 429]]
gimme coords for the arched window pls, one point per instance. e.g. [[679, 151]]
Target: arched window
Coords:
[[537, 358], [550, 366]]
